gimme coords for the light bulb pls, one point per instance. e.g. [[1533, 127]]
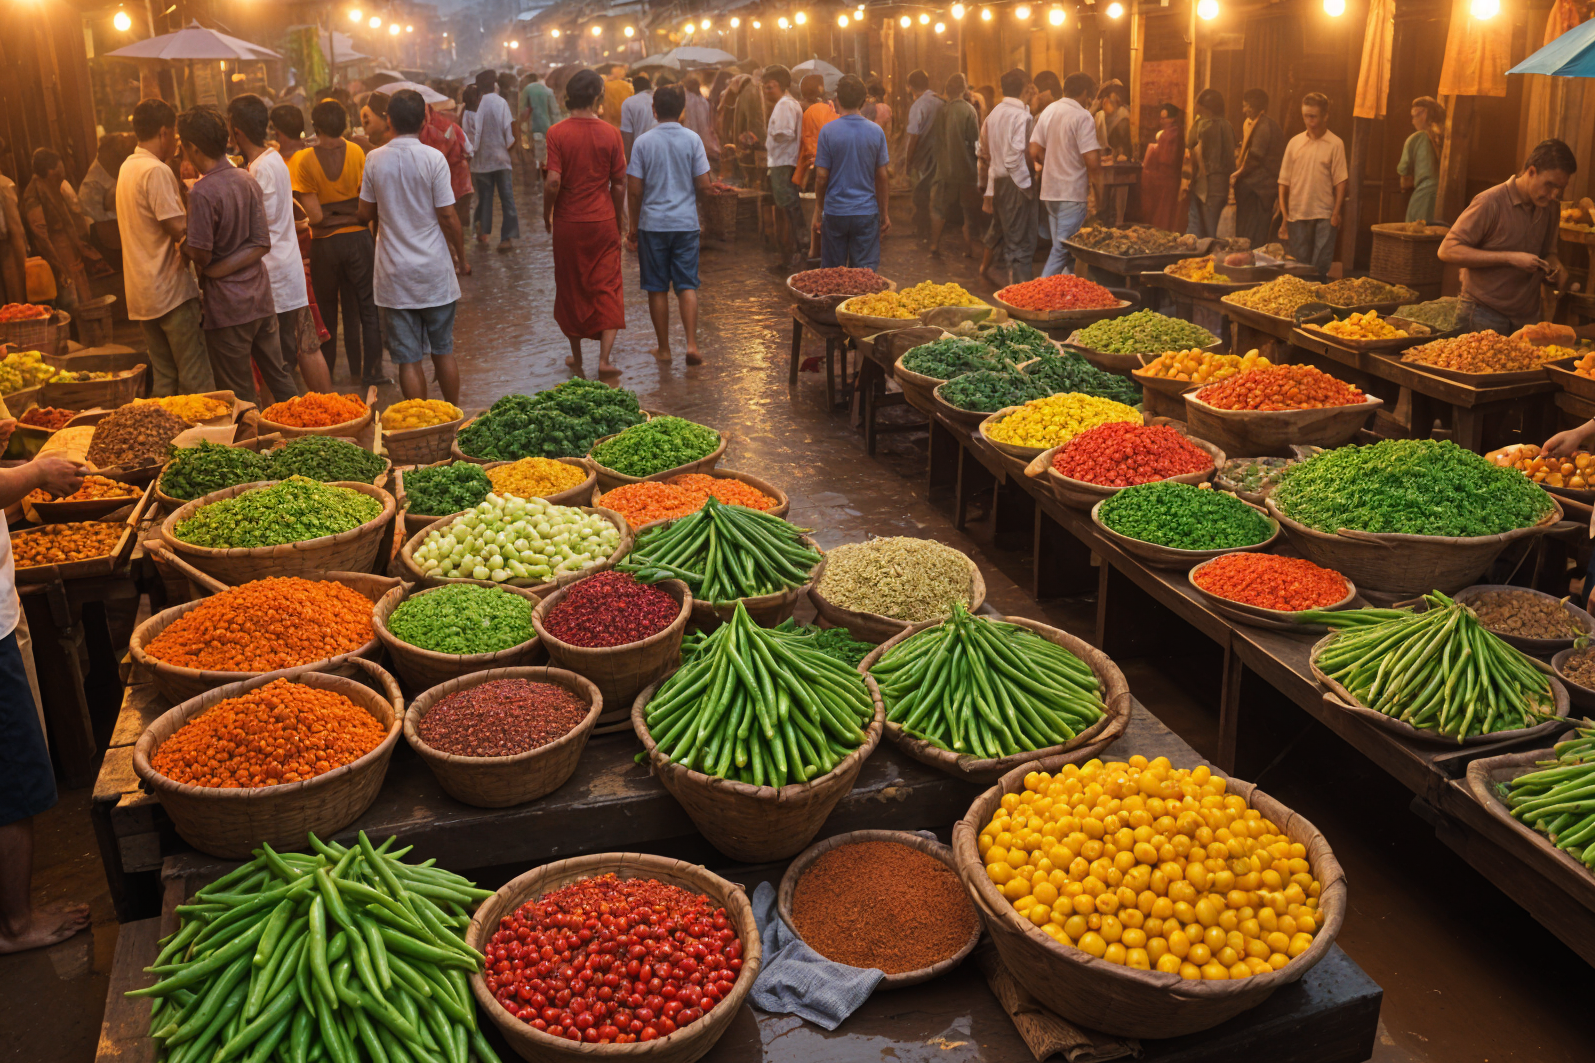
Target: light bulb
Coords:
[[959, 11], [842, 21], [376, 22], [121, 22], [1334, 8], [905, 22], [394, 30], [757, 24], [1207, 9], [800, 18], [554, 34], [515, 44], [630, 31], [924, 20], [1022, 12], [409, 29], [941, 27], [1115, 10], [688, 28], [1484, 10], [354, 15], [735, 22], [985, 14], [1055, 16], [783, 23], [705, 24], [598, 31]]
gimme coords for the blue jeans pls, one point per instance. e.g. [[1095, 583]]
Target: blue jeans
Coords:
[[850, 240], [1313, 240], [667, 259], [1066, 217], [485, 183], [1204, 216], [413, 334], [1484, 317]]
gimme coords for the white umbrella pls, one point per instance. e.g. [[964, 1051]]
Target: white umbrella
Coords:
[[429, 94], [702, 56], [662, 60], [817, 66], [195, 42]]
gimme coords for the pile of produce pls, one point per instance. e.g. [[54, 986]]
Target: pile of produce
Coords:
[[419, 413], [438, 490], [324, 458], [834, 642], [949, 357], [724, 552], [65, 377], [1123, 454], [267, 624], [292, 511], [133, 433], [610, 609], [316, 409], [1197, 270], [1203, 367], [93, 488], [535, 477], [562, 422], [1193, 926], [24, 369], [1056, 419], [1143, 332], [910, 302], [1555, 799], [759, 707], [987, 390], [987, 688], [57, 544], [1409, 486], [1485, 352], [1443, 315], [1280, 297], [1364, 326], [727, 489], [1526, 615], [838, 280], [191, 408], [897, 576], [48, 417], [348, 955], [1358, 291], [12, 312], [1575, 472], [196, 471], [656, 445], [1579, 668], [838, 901], [1184, 517], [507, 538], [1062, 291], [653, 500], [1585, 367], [1069, 371], [1133, 240], [651, 922], [1281, 387], [1014, 340], [1255, 476], [1269, 581], [463, 619], [502, 718], [1439, 670]]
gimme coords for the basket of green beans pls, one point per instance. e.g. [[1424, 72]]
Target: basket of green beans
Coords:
[[1545, 793]]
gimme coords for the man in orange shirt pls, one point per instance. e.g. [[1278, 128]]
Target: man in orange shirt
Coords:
[[816, 113], [617, 89]]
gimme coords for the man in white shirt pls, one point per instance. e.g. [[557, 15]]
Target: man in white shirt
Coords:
[[493, 134], [406, 190], [247, 119], [637, 112], [152, 221], [782, 136], [1064, 147], [1312, 186], [1009, 182]]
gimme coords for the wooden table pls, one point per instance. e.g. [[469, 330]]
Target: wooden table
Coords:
[[836, 341], [875, 387]]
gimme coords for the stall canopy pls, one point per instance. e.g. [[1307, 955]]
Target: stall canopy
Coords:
[[194, 42], [821, 67], [429, 94], [1572, 55]]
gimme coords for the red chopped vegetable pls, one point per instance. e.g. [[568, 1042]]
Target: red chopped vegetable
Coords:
[[1062, 291], [1272, 582], [1123, 454]]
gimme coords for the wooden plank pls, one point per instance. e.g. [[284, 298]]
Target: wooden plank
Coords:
[[141, 706], [1458, 803], [123, 1031]]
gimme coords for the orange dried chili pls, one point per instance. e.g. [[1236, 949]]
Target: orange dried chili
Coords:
[[731, 491], [317, 409], [265, 625], [1281, 387], [1272, 582]]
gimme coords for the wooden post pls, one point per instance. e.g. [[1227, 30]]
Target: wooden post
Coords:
[[1454, 156], [1137, 52], [1190, 69], [1351, 213]]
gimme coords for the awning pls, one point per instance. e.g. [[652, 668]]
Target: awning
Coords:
[[194, 42]]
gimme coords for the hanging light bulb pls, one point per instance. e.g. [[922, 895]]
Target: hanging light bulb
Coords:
[[905, 22], [735, 22], [1022, 12], [783, 23], [757, 24], [122, 23], [630, 31], [1115, 10], [376, 22], [924, 20], [985, 14], [515, 44], [554, 34], [1207, 9], [1334, 8], [800, 18], [842, 21], [1055, 16], [394, 31], [1484, 10], [355, 15], [705, 24], [409, 29], [597, 31], [941, 28], [688, 28]]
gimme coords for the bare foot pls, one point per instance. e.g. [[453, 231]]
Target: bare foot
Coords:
[[935, 252], [662, 354], [507, 245], [575, 366], [481, 238], [994, 281], [693, 357], [49, 925], [605, 369]]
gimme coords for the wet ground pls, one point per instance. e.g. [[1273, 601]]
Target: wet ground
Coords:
[[1467, 975]]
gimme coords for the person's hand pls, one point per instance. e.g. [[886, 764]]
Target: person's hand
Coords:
[[631, 241], [7, 426], [57, 475], [1334, 219], [815, 227], [886, 224], [548, 224], [1284, 230], [1526, 262], [1564, 443], [1545, 332], [1559, 275], [463, 268], [988, 206]]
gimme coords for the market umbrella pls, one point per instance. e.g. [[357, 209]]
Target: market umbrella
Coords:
[[195, 42], [1572, 55], [702, 56], [660, 61], [428, 93], [821, 67]]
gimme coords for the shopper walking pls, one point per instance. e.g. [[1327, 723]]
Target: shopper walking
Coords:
[[1420, 159], [617, 90], [637, 113], [53, 222], [1312, 186], [1160, 172], [851, 185], [955, 191], [493, 137], [699, 117], [920, 148], [1063, 146], [1256, 181], [781, 145], [537, 114], [1212, 162], [817, 113], [1011, 184], [442, 133]]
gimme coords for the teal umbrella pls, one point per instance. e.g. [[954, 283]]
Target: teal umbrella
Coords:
[[1572, 55]]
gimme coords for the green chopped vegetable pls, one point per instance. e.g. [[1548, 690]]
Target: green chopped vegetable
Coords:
[[562, 422], [986, 391], [196, 471], [660, 444], [289, 512], [463, 618], [440, 490], [324, 458], [949, 357], [1071, 372], [1143, 332], [1184, 517], [1016, 340]]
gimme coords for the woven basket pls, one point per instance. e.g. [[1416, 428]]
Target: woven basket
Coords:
[[421, 668], [620, 672], [1257, 616], [35, 334], [499, 782], [348, 429], [102, 359], [609, 479], [968, 418], [120, 390], [230, 823], [720, 216], [783, 504], [94, 321], [1534, 647], [918, 388], [414, 522], [419, 446], [1486, 773], [822, 308], [176, 683], [1404, 565], [1079, 494], [861, 326], [1582, 697], [685, 1045], [355, 550], [1091, 742], [1160, 556], [1260, 433], [1059, 317], [406, 565], [1400, 257], [756, 824], [877, 628], [919, 843], [765, 610], [1121, 1000]]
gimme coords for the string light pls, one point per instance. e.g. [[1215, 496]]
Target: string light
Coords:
[[705, 24], [735, 22], [515, 44], [905, 22], [783, 23], [1022, 12], [800, 18], [394, 31], [1207, 9], [630, 31], [842, 21], [409, 29], [757, 24], [597, 31], [1115, 10], [1484, 10], [924, 20], [375, 23], [123, 23], [985, 14], [941, 27], [1055, 16], [554, 34], [959, 11], [354, 15]]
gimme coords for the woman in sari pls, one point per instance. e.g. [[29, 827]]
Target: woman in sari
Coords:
[[1160, 172], [582, 208], [1420, 159]]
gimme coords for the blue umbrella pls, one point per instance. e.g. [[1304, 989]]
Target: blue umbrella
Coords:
[[1572, 55]]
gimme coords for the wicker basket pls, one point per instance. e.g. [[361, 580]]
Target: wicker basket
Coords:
[[1260, 433], [620, 672], [1581, 696], [1534, 647], [361, 428], [1054, 318], [765, 610], [918, 388], [783, 504], [421, 668], [968, 418], [420, 446], [861, 326], [574, 496], [1258, 616], [1400, 257], [499, 782], [355, 550], [37, 334], [876, 628], [683, 1046], [406, 565], [822, 308], [609, 479], [1121, 1000], [177, 683], [120, 390], [1080, 494], [1159, 556], [94, 321], [719, 213], [756, 824], [919, 843], [230, 823]]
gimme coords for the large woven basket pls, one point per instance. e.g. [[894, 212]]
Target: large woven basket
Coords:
[[783, 504], [756, 824], [421, 668], [499, 782], [683, 1046], [120, 390], [359, 428], [35, 334], [1258, 616], [1486, 773], [1121, 1000], [1400, 257], [1159, 556], [765, 610], [420, 446], [573, 496], [177, 683], [860, 326], [1056, 318], [230, 823], [609, 479], [1091, 742], [1258, 433], [619, 672], [1081, 494], [822, 308], [1534, 647], [1581, 696], [94, 322], [874, 627], [1405, 565], [406, 564], [355, 550]]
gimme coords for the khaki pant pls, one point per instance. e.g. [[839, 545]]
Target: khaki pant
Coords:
[[232, 347], [177, 351]]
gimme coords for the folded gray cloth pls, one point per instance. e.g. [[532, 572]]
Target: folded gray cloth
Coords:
[[796, 980]]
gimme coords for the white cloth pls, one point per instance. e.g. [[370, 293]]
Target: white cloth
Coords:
[[283, 264], [159, 280], [637, 114], [699, 118], [1065, 131], [409, 183], [91, 194], [782, 133], [1311, 170], [1007, 138], [10, 604], [493, 134]]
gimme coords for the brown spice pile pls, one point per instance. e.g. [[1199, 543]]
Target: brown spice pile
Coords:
[[1525, 615], [134, 432], [882, 905]]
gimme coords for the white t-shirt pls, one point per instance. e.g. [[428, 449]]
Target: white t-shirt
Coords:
[[10, 604], [1066, 131], [409, 183], [283, 264], [637, 113], [146, 195], [1311, 169], [781, 135]]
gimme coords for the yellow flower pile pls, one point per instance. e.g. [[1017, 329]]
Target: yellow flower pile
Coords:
[[419, 413], [191, 408], [1203, 367], [1150, 866], [1364, 326], [535, 477], [911, 302], [1056, 419], [24, 369]]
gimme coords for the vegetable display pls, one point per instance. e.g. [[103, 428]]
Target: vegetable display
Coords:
[[501, 718], [535, 477], [1254, 475], [1132, 240], [1014, 340], [910, 302], [1485, 352], [191, 408], [132, 433], [759, 707], [1123, 454], [1443, 315], [724, 552], [562, 422], [1281, 387], [316, 409], [23, 312], [1269, 581], [949, 357], [1143, 332], [838, 280], [324, 458], [610, 609], [987, 391], [1579, 668], [465, 618], [419, 413], [48, 417], [92, 488], [1280, 297], [267, 624], [834, 642], [1203, 367], [58, 544], [24, 369], [1184, 517], [1440, 670], [288, 512], [987, 688], [1197, 270], [1356, 291], [1555, 800], [438, 490], [1056, 419], [346, 955], [654, 446], [1062, 291], [1228, 894], [1364, 326], [897, 576], [1575, 471], [196, 471], [1584, 367], [1526, 615], [650, 500], [1069, 372], [507, 538]]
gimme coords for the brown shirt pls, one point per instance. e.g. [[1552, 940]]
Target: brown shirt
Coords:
[[1501, 220]]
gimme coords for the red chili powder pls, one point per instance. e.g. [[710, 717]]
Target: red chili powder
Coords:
[[610, 609], [502, 718]]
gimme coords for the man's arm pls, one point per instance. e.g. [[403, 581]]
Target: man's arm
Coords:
[[1284, 209], [1457, 249], [312, 207], [1340, 199], [40, 232], [627, 139], [551, 186], [232, 263], [366, 213], [633, 208], [454, 236], [822, 178], [55, 474], [617, 196], [883, 195], [909, 145]]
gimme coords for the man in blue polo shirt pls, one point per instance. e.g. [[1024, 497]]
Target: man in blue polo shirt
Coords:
[[850, 184]]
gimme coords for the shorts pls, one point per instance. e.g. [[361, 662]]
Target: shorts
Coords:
[[782, 189], [413, 334], [540, 148], [29, 781], [668, 259], [944, 196]]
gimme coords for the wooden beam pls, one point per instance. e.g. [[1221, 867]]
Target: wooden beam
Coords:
[[1137, 54]]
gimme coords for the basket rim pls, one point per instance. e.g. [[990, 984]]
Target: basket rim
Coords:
[[1191, 555], [381, 610], [891, 286], [424, 430], [168, 526], [600, 469], [426, 700], [547, 605], [1391, 539], [353, 425], [1369, 402]]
